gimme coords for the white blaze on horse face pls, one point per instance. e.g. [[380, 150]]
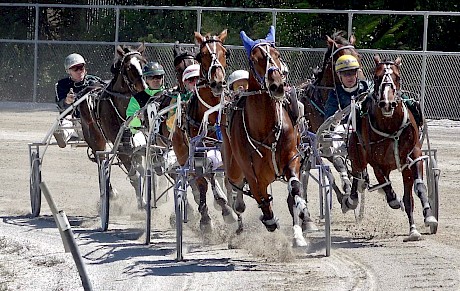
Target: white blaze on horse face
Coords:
[[137, 64]]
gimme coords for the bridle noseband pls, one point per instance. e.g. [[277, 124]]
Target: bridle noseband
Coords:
[[386, 85], [211, 45], [270, 65]]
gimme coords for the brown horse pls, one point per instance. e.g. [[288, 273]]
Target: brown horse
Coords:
[[208, 92], [387, 138], [260, 144], [102, 123]]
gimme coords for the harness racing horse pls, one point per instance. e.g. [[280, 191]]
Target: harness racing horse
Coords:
[[260, 144], [109, 110], [326, 78], [387, 138], [315, 94], [208, 92]]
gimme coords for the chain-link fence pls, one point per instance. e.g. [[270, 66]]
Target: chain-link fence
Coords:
[[32, 63]]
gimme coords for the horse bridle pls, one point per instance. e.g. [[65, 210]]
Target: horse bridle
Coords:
[[270, 65], [387, 82], [215, 63], [125, 78]]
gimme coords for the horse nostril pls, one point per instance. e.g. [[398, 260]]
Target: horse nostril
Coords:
[[213, 85], [273, 87], [393, 104], [382, 104]]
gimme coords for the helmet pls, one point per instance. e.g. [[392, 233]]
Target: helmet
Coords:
[[346, 63], [237, 75], [153, 69], [72, 60], [191, 71]]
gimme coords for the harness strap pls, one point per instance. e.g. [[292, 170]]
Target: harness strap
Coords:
[[395, 136]]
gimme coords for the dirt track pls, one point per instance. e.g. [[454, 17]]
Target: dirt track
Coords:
[[366, 256]]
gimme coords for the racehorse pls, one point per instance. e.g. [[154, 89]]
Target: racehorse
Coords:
[[260, 143], [387, 138], [208, 92], [326, 78], [315, 94], [102, 122]]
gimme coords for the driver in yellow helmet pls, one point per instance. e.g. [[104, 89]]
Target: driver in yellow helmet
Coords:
[[347, 67]]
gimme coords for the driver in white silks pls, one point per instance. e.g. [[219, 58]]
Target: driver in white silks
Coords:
[[347, 68]]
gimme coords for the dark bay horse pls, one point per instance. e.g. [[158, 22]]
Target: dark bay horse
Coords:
[[208, 93], [314, 95], [387, 138], [101, 122], [260, 143]]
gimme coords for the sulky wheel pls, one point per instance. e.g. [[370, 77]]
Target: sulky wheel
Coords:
[[433, 174], [179, 202], [104, 187], [35, 180]]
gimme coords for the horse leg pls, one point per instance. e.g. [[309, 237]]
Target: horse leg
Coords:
[[221, 200], [421, 191], [358, 172], [392, 198], [340, 166], [199, 188], [235, 195], [299, 211], [408, 199], [259, 191]]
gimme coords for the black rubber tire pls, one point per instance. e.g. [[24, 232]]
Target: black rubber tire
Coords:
[[150, 186], [433, 191], [35, 180], [104, 186], [179, 191]]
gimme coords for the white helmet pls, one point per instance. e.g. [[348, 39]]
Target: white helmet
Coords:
[[191, 71], [237, 75], [72, 60]]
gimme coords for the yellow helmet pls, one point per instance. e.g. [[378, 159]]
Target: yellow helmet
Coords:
[[345, 63]]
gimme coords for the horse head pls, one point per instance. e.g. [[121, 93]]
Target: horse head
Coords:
[[387, 78], [265, 62], [213, 59], [337, 46], [182, 59], [128, 70]]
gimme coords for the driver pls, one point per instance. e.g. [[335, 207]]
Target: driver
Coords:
[[66, 89], [347, 68]]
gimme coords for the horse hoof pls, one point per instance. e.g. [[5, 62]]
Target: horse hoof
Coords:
[[430, 221], [309, 226], [239, 207], [395, 204], [348, 204], [271, 224], [414, 235], [206, 225], [298, 240], [229, 215]]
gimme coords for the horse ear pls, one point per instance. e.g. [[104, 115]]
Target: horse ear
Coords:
[[271, 34], [398, 61], [120, 51], [377, 59], [141, 48], [199, 38], [352, 39], [247, 42], [223, 35], [329, 41], [176, 49]]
